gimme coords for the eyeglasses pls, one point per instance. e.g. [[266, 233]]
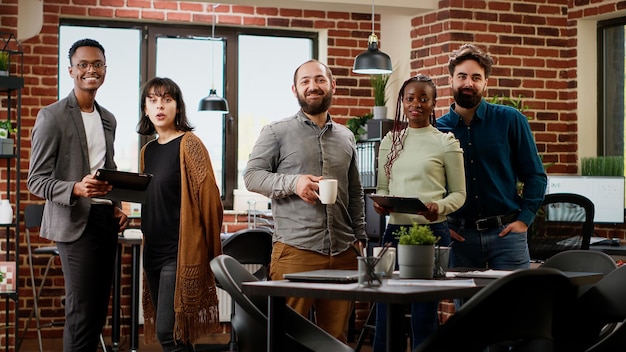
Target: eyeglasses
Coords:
[[98, 65]]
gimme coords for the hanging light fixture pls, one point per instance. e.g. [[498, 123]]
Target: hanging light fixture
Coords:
[[372, 61], [213, 102]]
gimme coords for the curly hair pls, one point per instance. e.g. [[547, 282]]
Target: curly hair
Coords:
[[470, 52], [401, 122]]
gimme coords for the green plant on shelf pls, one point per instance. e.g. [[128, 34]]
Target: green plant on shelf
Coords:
[[357, 124], [4, 60], [379, 84], [6, 128]]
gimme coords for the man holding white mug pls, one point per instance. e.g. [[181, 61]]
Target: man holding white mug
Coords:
[[315, 226]]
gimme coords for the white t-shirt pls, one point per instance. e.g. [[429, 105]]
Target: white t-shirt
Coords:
[[95, 144]]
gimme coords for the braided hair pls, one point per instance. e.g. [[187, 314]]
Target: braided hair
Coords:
[[401, 122]]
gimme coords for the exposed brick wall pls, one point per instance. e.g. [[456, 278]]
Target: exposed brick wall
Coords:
[[533, 43], [347, 36]]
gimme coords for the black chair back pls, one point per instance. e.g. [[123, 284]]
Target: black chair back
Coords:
[[251, 246], [564, 222], [596, 314], [250, 321], [517, 309], [581, 260]]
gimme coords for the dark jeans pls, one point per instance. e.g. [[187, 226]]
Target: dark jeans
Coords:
[[88, 265], [424, 316], [161, 284]]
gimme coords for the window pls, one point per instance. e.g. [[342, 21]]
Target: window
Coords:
[[611, 78], [251, 68], [120, 91]]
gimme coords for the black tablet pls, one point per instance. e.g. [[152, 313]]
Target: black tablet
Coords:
[[409, 205], [127, 186]]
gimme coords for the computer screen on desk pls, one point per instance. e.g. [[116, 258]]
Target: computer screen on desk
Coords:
[[606, 193]]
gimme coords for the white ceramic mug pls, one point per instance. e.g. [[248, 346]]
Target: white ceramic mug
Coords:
[[327, 191], [387, 263]]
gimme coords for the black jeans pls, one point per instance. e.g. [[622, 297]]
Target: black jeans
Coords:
[[162, 284], [88, 265]]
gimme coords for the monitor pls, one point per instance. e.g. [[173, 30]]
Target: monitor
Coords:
[[606, 193]]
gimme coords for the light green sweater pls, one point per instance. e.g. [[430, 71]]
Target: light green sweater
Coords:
[[430, 166]]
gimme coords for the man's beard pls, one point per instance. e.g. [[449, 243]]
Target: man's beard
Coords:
[[317, 107], [467, 101]]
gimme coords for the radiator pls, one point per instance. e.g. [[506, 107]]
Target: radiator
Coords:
[[224, 297]]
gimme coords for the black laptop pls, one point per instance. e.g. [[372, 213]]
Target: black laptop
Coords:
[[325, 275]]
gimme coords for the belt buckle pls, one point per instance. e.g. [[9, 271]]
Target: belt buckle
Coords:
[[478, 222]]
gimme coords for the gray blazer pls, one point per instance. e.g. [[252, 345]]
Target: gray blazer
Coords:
[[59, 159]]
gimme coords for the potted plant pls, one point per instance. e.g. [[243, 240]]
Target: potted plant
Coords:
[[416, 251], [4, 63], [379, 85], [358, 125], [6, 143], [602, 166]]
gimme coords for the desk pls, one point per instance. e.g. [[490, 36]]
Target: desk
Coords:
[[135, 244], [396, 296], [614, 251]]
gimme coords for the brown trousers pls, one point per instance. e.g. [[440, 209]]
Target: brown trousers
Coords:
[[330, 315]]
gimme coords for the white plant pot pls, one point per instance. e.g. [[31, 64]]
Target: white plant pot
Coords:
[[416, 261], [4, 73], [6, 212], [380, 112]]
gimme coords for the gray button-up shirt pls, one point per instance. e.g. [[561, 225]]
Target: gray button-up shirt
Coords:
[[295, 146]]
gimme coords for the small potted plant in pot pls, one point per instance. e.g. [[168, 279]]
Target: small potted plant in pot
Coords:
[[6, 143], [358, 125], [416, 251], [379, 84], [4, 63]]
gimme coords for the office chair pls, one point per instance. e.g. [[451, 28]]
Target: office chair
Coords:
[[595, 321], [614, 341], [250, 319], [581, 260], [33, 213], [564, 222], [247, 246], [516, 310]]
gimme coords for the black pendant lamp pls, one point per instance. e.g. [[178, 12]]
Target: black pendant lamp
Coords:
[[372, 61], [213, 102]]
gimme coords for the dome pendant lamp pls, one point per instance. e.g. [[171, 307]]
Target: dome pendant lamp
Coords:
[[372, 61], [213, 102]]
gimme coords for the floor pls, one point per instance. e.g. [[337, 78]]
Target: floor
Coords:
[[56, 345]]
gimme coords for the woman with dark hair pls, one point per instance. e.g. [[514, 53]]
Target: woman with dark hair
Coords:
[[417, 160], [181, 220]]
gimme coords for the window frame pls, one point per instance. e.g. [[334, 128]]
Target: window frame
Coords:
[[602, 26], [231, 35]]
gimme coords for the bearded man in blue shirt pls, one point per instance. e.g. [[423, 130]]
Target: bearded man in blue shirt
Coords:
[[489, 231]]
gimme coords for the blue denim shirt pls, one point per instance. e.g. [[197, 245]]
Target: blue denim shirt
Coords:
[[295, 146], [499, 149]]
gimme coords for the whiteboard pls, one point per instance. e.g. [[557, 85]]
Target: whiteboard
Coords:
[[606, 193]]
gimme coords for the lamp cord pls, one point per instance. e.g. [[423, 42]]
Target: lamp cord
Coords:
[[213, 48], [372, 16]]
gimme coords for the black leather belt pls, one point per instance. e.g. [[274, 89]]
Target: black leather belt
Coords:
[[491, 222]]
